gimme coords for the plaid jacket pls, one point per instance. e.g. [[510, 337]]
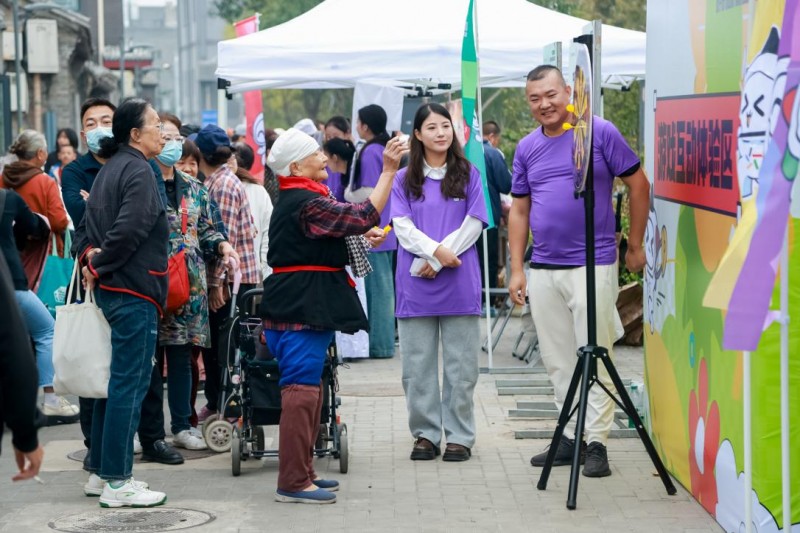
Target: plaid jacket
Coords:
[[227, 191]]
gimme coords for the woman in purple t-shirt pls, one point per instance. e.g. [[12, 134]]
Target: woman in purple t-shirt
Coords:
[[438, 213], [371, 127]]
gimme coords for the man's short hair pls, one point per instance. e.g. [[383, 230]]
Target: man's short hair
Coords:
[[490, 127], [542, 71], [95, 102]]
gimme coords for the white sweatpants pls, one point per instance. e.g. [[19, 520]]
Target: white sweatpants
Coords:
[[558, 305]]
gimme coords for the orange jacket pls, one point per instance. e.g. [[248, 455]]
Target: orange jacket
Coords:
[[42, 196]]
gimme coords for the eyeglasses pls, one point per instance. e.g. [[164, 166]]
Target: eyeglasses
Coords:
[[159, 126]]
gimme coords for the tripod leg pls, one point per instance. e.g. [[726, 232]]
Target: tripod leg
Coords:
[[586, 382], [630, 410], [563, 418]]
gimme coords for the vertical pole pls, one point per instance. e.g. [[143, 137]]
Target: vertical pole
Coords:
[[748, 448], [18, 64], [37, 102], [748, 435], [101, 30], [222, 109], [785, 424]]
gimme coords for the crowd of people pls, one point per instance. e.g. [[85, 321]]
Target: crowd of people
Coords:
[[380, 236]]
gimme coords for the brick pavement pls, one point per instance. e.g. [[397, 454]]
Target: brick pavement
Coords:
[[384, 490]]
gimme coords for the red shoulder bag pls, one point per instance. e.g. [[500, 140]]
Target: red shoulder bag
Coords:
[[177, 272]]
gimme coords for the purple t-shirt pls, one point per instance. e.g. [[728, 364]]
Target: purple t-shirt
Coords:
[[371, 167], [454, 291], [543, 169], [334, 183]]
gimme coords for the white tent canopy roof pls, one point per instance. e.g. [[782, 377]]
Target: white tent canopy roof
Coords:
[[411, 42]]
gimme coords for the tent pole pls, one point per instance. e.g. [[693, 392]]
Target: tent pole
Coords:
[[785, 450], [748, 435], [748, 451]]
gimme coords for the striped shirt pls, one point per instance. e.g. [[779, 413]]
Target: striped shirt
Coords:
[[227, 191]]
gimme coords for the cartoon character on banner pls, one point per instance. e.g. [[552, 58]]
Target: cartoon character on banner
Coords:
[[791, 158], [762, 88], [656, 242]]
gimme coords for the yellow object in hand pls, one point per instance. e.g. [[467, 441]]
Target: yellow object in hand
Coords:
[[387, 229]]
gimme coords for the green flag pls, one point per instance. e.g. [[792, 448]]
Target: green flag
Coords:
[[470, 85]]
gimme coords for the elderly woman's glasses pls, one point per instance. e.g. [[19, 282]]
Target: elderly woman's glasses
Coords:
[[159, 126]]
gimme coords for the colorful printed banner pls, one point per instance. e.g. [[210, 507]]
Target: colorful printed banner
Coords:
[[722, 73], [254, 107]]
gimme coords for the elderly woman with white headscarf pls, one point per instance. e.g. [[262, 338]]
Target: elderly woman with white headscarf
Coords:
[[310, 295]]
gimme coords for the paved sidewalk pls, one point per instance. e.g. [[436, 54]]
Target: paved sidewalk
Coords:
[[384, 490]]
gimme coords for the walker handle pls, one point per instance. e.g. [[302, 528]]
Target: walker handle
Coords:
[[237, 274]]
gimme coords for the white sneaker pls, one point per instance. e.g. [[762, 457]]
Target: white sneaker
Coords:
[[137, 445], [95, 485], [190, 441], [62, 409], [130, 494]]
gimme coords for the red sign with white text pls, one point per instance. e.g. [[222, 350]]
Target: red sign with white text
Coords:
[[695, 156]]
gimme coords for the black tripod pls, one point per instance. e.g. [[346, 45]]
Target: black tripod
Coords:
[[585, 374]]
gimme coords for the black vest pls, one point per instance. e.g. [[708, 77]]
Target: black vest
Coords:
[[321, 299]]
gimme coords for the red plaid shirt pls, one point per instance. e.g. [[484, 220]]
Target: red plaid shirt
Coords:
[[325, 217], [229, 194]]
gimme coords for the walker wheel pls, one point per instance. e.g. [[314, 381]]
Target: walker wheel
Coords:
[[219, 434], [261, 441], [344, 453], [207, 422], [236, 454]]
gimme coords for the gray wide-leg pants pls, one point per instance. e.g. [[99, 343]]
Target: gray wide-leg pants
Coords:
[[452, 409]]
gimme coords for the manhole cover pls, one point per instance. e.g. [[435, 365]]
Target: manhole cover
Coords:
[[131, 520], [187, 454]]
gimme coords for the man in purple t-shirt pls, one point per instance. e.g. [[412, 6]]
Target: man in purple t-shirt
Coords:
[[544, 204]]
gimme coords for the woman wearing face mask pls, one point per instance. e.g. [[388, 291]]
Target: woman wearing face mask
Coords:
[[182, 330]]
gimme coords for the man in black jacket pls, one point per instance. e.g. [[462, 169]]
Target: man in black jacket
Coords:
[[18, 382]]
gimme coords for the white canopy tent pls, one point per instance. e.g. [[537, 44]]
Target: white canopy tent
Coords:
[[413, 42]]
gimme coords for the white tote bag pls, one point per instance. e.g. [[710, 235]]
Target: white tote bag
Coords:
[[81, 346]]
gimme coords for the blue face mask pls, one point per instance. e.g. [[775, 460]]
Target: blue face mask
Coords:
[[93, 138], [171, 153]]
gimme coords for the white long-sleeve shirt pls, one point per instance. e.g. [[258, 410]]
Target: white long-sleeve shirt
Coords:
[[418, 243]]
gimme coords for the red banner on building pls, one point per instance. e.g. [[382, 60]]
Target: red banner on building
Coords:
[[695, 156], [253, 107]]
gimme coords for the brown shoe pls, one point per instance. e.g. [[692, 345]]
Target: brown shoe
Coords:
[[456, 452], [424, 450]]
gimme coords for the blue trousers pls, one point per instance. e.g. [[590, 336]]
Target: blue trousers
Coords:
[[40, 325], [134, 330], [300, 354]]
